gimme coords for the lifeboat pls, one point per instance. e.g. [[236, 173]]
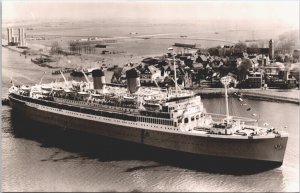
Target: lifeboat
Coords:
[[35, 89], [149, 99], [83, 93], [57, 89], [152, 106], [45, 92], [47, 87], [112, 97], [94, 95], [68, 91], [129, 98], [25, 88]]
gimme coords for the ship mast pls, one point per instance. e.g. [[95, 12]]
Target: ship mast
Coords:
[[175, 74], [42, 78], [175, 78], [63, 77], [88, 81], [226, 81]]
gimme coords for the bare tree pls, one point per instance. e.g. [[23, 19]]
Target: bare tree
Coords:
[[74, 46], [56, 48]]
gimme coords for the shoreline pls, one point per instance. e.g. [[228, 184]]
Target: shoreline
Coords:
[[273, 95], [256, 94], [12, 49]]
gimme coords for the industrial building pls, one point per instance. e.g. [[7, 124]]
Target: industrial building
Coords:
[[16, 40], [277, 75], [22, 40]]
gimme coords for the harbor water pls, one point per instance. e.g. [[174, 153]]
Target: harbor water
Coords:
[[37, 157]]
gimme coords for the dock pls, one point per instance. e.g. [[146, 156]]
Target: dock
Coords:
[[256, 94]]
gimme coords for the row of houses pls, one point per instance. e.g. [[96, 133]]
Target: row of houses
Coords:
[[155, 75], [192, 67]]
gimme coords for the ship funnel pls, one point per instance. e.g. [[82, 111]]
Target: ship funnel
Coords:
[[133, 80], [99, 79]]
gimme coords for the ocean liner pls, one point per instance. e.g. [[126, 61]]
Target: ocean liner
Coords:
[[172, 119]]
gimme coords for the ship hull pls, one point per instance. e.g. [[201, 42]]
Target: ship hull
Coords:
[[263, 149]]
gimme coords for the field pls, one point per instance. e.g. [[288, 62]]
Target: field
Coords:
[[128, 49]]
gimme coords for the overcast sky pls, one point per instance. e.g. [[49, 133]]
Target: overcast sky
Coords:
[[265, 11]]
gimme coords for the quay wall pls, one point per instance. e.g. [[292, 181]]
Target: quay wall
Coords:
[[255, 94]]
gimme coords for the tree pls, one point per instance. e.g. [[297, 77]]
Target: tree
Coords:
[[288, 59], [56, 48], [253, 49], [253, 45], [240, 47], [296, 56], [213, 51], [244, 67], [279, 58]]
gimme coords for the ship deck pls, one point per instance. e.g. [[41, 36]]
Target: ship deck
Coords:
[[197, 131]]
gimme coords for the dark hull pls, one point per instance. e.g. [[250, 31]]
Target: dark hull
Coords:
[[249, 149]]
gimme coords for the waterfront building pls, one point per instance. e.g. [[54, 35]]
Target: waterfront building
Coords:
[[278, 76], [254, 80]]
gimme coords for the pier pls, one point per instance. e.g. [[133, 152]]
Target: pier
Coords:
[[256, 94]]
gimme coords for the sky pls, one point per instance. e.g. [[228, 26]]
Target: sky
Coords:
[[279, 11]]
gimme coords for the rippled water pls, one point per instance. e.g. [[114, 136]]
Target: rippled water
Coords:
[[37, 157]]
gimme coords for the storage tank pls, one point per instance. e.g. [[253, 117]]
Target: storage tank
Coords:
[[133, 80], [21, 33], [98, 78], [9, 35]]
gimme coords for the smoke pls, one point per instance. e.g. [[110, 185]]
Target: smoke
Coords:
[[288, 41]]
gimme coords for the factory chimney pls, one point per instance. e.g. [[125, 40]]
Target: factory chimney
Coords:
[[271, 49], [98, 78], [133, 80]]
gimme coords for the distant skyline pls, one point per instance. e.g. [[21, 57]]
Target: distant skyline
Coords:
[[266, 12]]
